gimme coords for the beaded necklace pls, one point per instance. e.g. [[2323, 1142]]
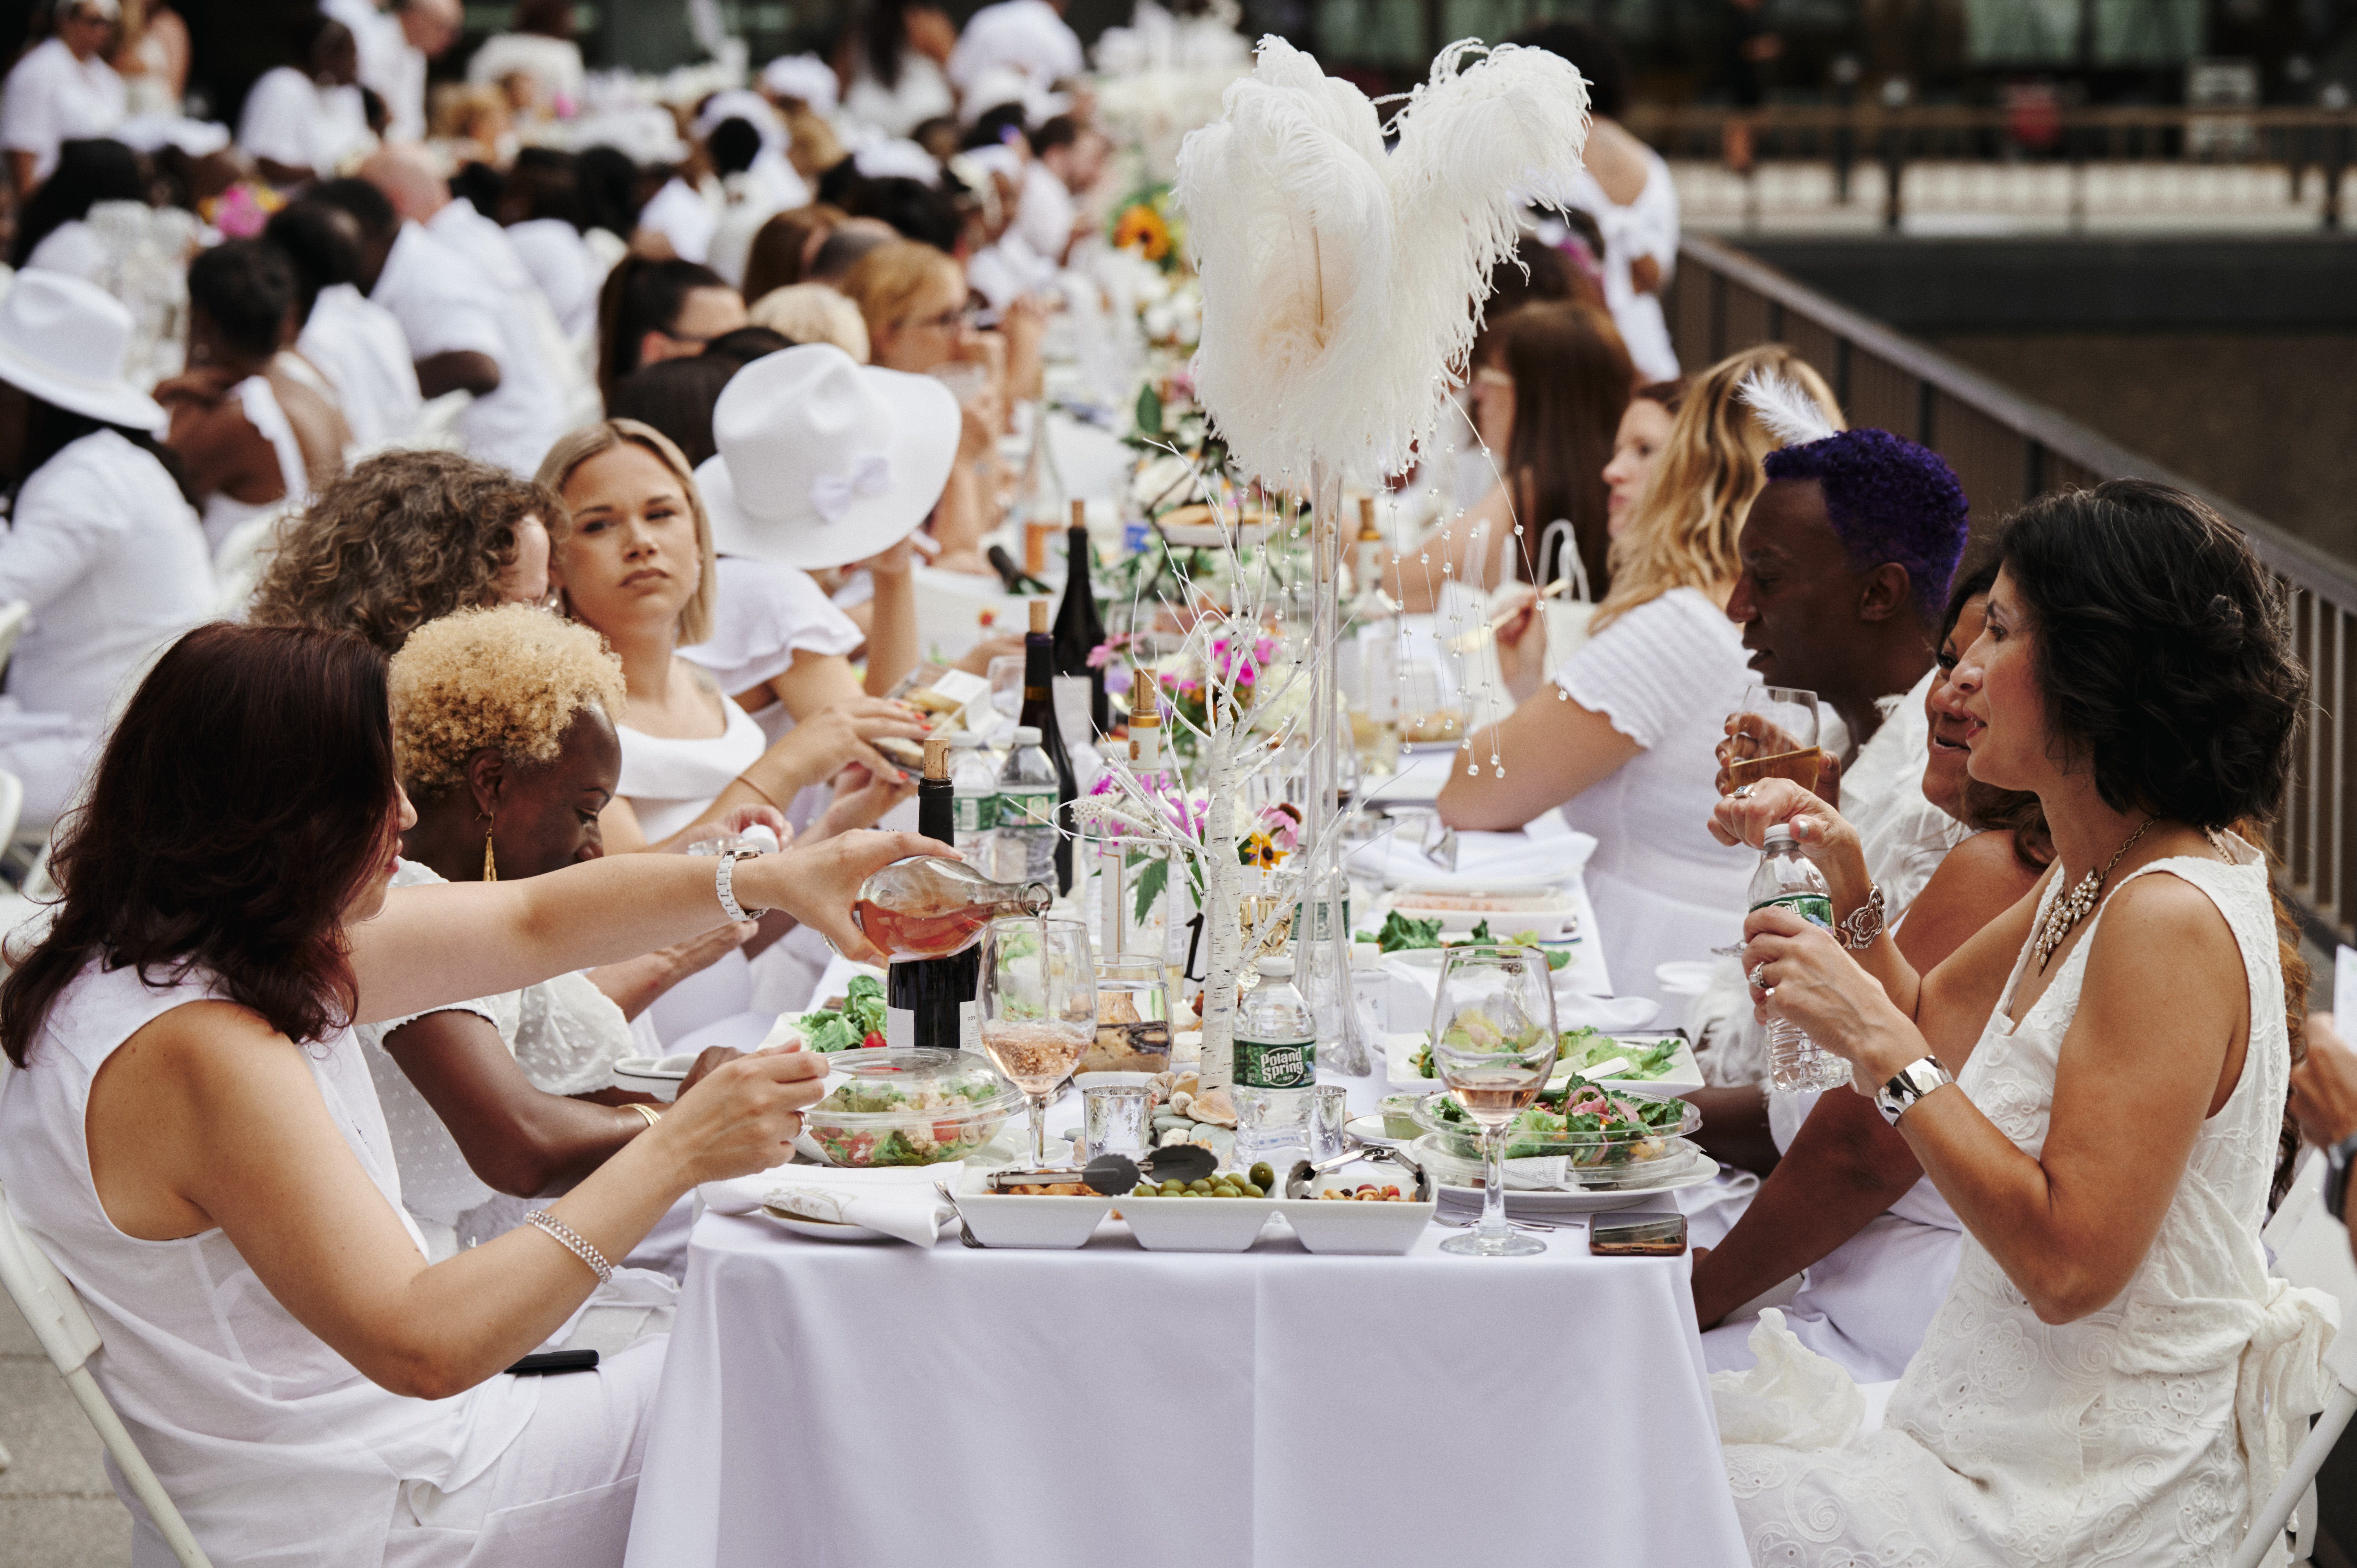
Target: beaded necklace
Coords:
[[2074, 907]]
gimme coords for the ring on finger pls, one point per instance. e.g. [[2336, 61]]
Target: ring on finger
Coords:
[[1760, 974], [1743, 792]]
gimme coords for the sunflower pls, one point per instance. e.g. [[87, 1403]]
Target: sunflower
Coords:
[[1142, 228]]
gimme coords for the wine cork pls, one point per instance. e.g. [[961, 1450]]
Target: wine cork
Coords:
[[937, 756], [1080, 514], [1038, 615], [1141, 705], [1367, 528]]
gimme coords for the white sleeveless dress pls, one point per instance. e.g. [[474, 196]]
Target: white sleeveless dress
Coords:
[[2140, 1433], [274, 1448]]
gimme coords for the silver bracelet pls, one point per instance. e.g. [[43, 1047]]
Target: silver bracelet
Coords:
[[1909, 1084], [723, 882], [1858, 929], [571, 1240]]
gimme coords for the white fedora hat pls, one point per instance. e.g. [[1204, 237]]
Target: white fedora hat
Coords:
[[64, 341], [821, 461]]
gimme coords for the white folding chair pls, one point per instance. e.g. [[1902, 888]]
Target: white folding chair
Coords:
[[13, 616], [2311, 1249], [67, 1334]]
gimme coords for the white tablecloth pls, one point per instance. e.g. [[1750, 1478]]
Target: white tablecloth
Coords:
[[828, 1405]]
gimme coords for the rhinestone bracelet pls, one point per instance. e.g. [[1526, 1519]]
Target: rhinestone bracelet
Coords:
[[572, 1241]]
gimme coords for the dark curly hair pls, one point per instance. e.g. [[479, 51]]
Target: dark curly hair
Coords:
[[1888, 500], [2163, 649], [246, 795], [402, 539]]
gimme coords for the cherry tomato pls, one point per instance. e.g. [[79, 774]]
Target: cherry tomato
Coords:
[[873, 1042]]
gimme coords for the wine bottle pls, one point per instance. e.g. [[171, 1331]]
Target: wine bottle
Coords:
[[1039, 713], [929, 1002], [1373, 686], [930, 907], [1080, 630], [1136, 874], [1016, 579]]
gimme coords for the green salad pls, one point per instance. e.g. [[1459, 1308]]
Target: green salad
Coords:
[[1583, 1047], [1401, 934], [1592, 1127], [859, 1022], [874, 1122]]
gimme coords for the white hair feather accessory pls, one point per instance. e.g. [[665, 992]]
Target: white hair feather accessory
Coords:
[[1785, 408], [1342, 283]]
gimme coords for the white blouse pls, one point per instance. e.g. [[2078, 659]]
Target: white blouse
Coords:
[[113, 563], [669, 782], [291, 119], [763, 615], [1646, 227], [262, 1435], [51, 98], [358, 345], [1666, 674]]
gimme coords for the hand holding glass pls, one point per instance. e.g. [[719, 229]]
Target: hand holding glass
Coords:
[[1773, 736]]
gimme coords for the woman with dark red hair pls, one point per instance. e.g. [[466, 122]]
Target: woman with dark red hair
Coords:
[[191, 1132]]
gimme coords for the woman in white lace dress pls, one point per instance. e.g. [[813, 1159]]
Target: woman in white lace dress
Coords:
[[2114, 1377], [502, 732]]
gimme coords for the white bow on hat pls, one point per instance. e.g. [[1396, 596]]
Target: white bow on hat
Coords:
[[821, 461]]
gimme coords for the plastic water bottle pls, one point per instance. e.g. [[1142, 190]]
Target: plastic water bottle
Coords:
[[1275, 1064], [1026, 812], [974, 805], [1787, 877]]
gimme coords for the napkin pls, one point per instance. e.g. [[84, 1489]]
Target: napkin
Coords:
[[898, 1200], [1485, 862]]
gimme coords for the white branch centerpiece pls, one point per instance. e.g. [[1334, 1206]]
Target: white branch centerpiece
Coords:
[[1342, 285]]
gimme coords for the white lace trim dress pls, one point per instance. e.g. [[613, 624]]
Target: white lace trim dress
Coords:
[[566, 1035], [2138, 1434], [1666, 674]]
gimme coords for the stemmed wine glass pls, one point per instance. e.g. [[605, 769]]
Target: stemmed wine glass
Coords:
[[1037, 1008], [1774, 736], [1493, 1044]]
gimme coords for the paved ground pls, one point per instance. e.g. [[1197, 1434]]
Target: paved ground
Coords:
[[56, 1509]]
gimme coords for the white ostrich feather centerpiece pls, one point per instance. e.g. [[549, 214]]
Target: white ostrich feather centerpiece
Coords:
[[1342, 282]]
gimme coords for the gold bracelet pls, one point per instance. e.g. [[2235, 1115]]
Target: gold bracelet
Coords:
[[766, 796], [649, 1112]]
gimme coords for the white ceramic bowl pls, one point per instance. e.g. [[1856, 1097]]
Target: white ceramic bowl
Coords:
[[1326, 1225], [647, 1075], [1197, 1224], [1010, 1219]]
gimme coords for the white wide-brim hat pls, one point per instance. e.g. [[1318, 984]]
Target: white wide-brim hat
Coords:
[[64, 340], [821, 461]]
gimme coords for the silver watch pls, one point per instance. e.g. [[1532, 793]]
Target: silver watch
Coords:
[[1858, 929], [1912, 1082], [724, 879]]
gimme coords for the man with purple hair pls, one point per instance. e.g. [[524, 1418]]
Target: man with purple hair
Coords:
[[1846, 556]]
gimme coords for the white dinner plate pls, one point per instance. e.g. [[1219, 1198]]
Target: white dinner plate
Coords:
[[1528, 1202], [1369, 1129], [824, 1230]]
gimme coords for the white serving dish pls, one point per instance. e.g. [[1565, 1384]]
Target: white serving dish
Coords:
[[1197, 1224], [1325, 1225], [1011, 1220], [1545, 911], [649, 1075]]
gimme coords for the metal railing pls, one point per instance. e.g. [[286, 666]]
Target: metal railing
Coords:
[[2006, 450], [2291, 160]]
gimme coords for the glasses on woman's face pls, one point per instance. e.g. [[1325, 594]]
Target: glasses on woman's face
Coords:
[[949, 322]]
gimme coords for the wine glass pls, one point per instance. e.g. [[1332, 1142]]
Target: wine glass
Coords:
[[1775, 736], [1037, 1008], [1493, 1044], [1006, 686]]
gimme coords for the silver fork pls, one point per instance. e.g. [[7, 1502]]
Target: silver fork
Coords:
[[965, 1231], [1517, 1224]]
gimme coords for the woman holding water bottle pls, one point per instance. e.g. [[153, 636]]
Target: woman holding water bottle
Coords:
[[2094, 1082]]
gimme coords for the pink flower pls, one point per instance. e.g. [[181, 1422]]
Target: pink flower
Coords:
[[1100, 656]]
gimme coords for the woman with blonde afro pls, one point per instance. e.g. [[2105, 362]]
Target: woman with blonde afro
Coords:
[[503, 732]]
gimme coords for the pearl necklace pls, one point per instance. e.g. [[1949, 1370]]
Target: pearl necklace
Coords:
[[2074, 907]]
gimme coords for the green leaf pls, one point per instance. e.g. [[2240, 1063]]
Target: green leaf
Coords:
[[1399, 933], [1150, 885], [1149, 410]]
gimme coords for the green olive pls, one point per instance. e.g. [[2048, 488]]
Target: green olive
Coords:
[[1199, 1186], [1263, 1177], [1142, 1190], [1254, 1189], [1173, 1188]]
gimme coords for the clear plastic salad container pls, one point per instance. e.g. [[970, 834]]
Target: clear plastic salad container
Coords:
[[1595, 1129], [909, 1107]]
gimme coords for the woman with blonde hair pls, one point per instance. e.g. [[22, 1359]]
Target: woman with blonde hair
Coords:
[[1623, 741], [638, 565]]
